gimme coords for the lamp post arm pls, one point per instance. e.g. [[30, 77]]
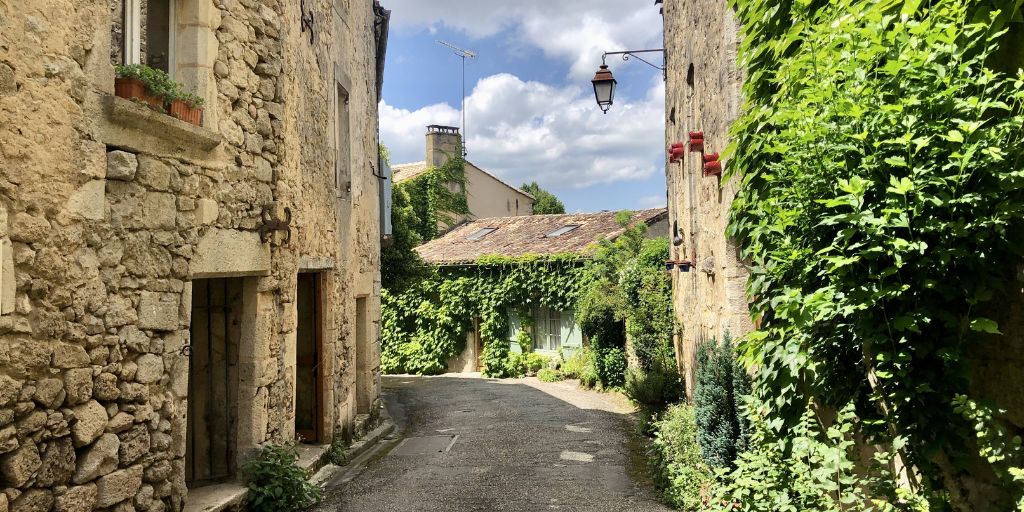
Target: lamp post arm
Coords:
[[633, 53]]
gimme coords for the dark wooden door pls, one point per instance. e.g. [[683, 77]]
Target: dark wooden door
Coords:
[[213, 381], [309, 349]]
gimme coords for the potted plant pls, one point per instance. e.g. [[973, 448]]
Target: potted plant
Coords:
[[188, 107], [141, 83]]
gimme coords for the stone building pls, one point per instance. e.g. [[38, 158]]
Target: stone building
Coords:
[[486, 194], [173, 295], [702, 94]]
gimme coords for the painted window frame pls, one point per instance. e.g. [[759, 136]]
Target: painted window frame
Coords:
[[547, 329], [132, 43]]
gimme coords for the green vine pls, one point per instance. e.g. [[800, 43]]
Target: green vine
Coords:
[[882, 209], [426, 324]]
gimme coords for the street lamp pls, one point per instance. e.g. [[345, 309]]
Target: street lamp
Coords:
[[604, 87], [604, 82]]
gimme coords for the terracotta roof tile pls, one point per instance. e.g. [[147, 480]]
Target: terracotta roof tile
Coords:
[[406, 172], [519, 236]]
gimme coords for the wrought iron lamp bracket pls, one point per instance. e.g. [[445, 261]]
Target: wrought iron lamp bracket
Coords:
[[633, 53]]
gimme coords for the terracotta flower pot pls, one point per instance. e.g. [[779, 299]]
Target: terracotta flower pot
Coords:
[[134, 89], [183, 111]]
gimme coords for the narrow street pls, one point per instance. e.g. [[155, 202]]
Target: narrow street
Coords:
[[512, 445]]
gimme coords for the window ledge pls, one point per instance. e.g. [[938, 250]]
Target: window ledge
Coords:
[[127, 114]]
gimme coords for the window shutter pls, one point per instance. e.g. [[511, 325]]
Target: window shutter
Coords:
[[385, 200], [571, 335], [514, 325]]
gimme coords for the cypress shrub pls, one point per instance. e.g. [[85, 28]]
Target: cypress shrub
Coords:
[[722, 429]]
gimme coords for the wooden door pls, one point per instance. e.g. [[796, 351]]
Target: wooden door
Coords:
[[309, 350], [213, 381]]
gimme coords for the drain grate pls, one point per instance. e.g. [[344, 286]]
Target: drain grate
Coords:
[[425, 445]]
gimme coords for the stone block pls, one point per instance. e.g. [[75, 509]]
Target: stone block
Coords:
[[58, 463], [159, 210], [150, 368], [78, 384], [29, 228], [89, 201], [134, 444], [33, 500], [158, 472], [8, 439], [206, 211], [90, 422], [66, 356], [154, 174], [19, 466], [105, 387], [158, 311], [97, 460], [227, 252], [118, 486], [121, 165], [77, 499], [49, 393], [120, 422], [9, 390]]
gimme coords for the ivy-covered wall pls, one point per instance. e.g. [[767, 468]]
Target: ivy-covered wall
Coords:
[[879, 165]]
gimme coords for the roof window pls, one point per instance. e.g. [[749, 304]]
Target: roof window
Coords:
[[480, 233], [562, 230]]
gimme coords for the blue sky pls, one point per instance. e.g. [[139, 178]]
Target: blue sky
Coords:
[[530, 111]]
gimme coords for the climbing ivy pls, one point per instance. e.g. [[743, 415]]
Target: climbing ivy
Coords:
[[437, 197], [426, 324], [882, 210]]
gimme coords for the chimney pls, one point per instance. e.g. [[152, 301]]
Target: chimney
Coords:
[[443, 142]]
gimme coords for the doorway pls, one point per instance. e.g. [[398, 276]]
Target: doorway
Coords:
[[309, 358], [213, 381], [362, 358]]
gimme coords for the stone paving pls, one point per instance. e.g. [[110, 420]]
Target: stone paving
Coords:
[[473, 444]]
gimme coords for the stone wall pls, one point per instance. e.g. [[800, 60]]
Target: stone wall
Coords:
[[109, 211], [702, 94]]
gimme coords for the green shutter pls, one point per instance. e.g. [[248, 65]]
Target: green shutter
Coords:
[[572, 338], [514, 326]]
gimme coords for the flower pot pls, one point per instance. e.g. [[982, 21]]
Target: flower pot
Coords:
[[683, 266], [189, 114], [669, 264], [133, 89]]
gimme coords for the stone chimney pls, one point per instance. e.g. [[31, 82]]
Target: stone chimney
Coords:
[[443, 142]]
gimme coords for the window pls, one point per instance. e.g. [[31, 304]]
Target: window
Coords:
[[480, 233], [143, 33], [562, 230], [343, 144], [547, 329]]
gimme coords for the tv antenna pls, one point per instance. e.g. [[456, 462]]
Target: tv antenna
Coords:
[[464, 54]]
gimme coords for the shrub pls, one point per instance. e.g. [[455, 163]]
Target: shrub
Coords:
[[721, 426], [500, 362], [811, 469], [611, 367], [276, 482], [338, 453], [549, 375], [679, 470], [535, 362], [653, 390]]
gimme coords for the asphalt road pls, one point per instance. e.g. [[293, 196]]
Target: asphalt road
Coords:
[[472, 444]]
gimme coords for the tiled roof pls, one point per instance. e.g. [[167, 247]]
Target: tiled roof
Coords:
[[406, 172], [519, 236]]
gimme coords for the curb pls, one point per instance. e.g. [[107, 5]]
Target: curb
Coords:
[[330, 472]]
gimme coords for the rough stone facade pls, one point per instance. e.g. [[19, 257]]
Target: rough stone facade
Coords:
[[702, 93], [111, 214]]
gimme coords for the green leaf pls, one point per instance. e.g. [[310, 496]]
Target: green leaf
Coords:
[[985, 325]]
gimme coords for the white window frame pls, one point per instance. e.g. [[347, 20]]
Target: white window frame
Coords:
[[133, 21], [547, 329]]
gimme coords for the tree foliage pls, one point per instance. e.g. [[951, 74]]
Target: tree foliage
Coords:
[[546, 201], [882, 209], [722, 382]]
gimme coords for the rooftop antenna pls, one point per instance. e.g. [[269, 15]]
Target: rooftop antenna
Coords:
[[464, 54]]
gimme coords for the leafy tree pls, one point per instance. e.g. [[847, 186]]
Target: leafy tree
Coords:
[[546, 201], [721, 426]]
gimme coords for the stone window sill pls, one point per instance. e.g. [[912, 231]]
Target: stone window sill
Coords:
[[128, 114]]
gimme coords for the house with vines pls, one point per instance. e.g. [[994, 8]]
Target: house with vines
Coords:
[[497, 286]]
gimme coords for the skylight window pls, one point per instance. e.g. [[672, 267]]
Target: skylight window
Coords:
[[480, 233], [562, 230]]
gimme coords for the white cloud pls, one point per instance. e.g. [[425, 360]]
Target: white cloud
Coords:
[[575, 31], [525, 131]]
